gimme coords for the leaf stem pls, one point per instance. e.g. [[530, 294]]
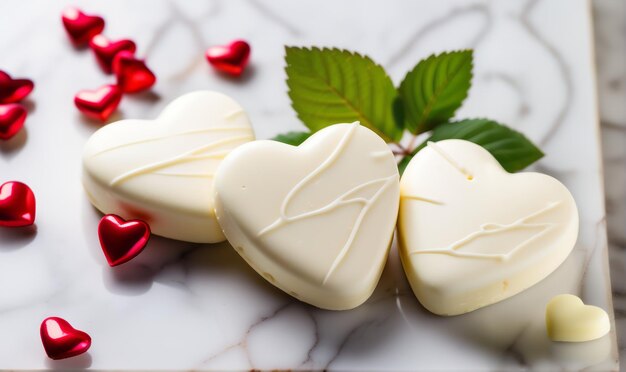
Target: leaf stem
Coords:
[[399, 147], [401, 150]]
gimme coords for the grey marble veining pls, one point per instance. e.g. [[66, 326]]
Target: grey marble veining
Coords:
[[182, 306], [610, 42]]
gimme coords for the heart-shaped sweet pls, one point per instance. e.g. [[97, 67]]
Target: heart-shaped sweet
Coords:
[[569, 319], [105, 50], [132, 74], [121, 240], [12, 117], [100, 103], [471, 234], [81, 27], [161, 171], [61, 340], [314, 220], [14, 90], [230, 59], [17, 205]]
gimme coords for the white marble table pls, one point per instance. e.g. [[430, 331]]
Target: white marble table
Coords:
[[610, 36], [198, 307]]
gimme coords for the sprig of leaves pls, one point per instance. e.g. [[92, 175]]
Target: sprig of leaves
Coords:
[[330, 86], [293, 138], [337, 86], [512, 150], [435, 89]]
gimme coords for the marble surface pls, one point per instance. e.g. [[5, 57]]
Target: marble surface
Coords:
[[198, 307], [610, 37]]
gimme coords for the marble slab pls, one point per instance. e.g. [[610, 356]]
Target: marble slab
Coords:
[[183, 306], [610, 43]]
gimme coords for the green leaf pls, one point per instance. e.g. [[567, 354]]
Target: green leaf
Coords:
[[511, 148], [292, 138], [404, 162], [435, 89], [330, 86]]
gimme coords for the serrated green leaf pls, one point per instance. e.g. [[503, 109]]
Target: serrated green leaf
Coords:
[[511, 148], [292, 138], [330, 86], [435, 89]]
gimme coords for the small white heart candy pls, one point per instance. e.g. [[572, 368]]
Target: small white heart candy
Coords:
[[315, 220], [472, 234], [162, 170], [569, 319]]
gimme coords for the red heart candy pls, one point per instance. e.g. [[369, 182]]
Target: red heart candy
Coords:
[[122, 240], [132, 73], [105, 50], [100, 103], [12, 117], [14, 90], [17, 205], [81, 27], [61, 340], [231, 58]]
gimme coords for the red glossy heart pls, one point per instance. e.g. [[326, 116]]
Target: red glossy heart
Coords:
[[122, 240], [17, 205], [230, 59], [12, 117], [105, 50], [100, 103], [14, 90], [81, 27], [132, 73], [61, 340]]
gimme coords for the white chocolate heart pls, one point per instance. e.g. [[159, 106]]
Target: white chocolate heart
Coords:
[[569, 319], [315, 220], [471, 234], [162, 170]]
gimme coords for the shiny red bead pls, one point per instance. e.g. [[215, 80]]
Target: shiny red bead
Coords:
[[12, 117], [17, 205], [132, 73], [105, 50], [231, 59], [61, 340], [100, 103], [14, 90], [81, 27], [121, 240]]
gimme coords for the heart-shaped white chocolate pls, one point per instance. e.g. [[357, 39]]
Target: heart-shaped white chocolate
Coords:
[[315, 220], [472, 234], [569, 319], [162, 170]]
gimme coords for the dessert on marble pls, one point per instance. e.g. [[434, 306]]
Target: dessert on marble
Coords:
[[105, 50], [81, 27], [131, 73], [314, 220], [569, 319], [122, 240], [60, 340], [471, 234], [14, 90], [12, 113], [17, 205], [230, 59], [161, 171], [12, 118], [98, 104]]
